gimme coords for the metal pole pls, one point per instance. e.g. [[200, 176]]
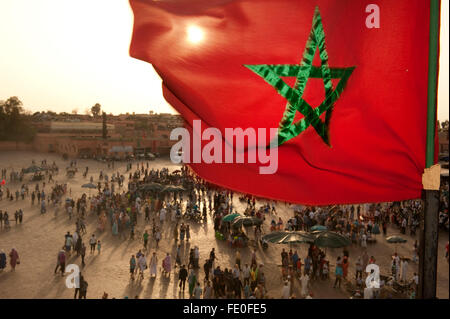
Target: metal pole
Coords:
[[428, 247], [429, 242]]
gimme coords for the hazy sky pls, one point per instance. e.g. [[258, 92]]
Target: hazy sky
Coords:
[[63, 55]]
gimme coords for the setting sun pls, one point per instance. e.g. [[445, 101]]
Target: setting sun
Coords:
[[195, 34]]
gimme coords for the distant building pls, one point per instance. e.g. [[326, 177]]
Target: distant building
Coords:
[[77, 135], [443, 141], [79, 127]]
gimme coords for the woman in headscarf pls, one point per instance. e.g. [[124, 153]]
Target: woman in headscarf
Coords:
[[167, 264], [13, 259], [153, 265], [2, 260]]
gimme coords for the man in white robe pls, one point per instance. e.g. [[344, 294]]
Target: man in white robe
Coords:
[[142, 262], [403, 270], [304, 280]]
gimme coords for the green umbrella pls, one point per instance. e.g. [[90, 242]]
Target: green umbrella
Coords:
[[89, 185], [395, 240], [230, 217], [289, 237], [151, 187], [318, 227], [33, 169], [246, 221], [172, 188], [330, 239], [169, 188]]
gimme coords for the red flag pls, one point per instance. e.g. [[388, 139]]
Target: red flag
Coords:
[[349, 98]]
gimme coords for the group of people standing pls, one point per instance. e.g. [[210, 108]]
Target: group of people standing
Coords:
[[13, 259]]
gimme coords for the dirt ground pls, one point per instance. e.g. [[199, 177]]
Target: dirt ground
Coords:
[[39, 238]]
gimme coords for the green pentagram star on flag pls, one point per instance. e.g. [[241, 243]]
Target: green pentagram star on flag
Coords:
[[272, 74]]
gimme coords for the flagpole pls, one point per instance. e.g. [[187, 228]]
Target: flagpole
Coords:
[[428, 247]]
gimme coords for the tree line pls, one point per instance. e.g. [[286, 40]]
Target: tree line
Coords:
[[15, 123]]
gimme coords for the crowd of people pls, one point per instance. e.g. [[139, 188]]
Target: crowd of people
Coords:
[[124, 206]]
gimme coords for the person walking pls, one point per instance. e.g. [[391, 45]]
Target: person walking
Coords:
[[212, 256], [207, 269], [142, 262], [339, 272], [78, 244], [61, 262], [167, 264], [238, 259], [132, 266], [403, 270], [182, 232], [182, 275], [162, 216], [175, 233], [207, 294], [196, 294], [178, 256], [83, 253], [345, 265], [188, 233], [145, 237], [246, 274], [157, 236], [285, 292], [14, 259], [147, 213], [75, 238], [93, 242], [192, 280], [77, 288], [359, 268], [304, 281], [2, 260], [153, 265], [83, 288]]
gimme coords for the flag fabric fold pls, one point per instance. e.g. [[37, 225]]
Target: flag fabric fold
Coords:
[[279, 64]]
